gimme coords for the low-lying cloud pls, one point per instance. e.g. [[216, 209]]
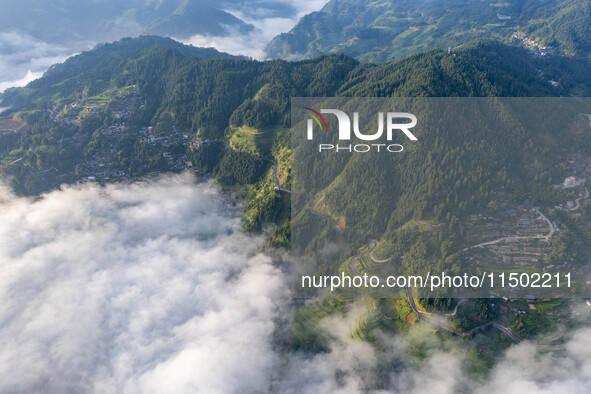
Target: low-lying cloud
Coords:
[[153, 287], [137, 288], [25, 58], [357, 367], [266, 24]]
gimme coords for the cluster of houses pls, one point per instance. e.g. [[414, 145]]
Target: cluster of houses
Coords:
[[521, 221], [103, 165], [533, 45], [56, 118], [147, 137]]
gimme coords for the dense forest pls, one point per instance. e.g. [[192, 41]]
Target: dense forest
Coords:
[[224, 99]]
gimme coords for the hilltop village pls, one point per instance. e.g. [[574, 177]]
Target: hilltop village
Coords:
[[161, 147]]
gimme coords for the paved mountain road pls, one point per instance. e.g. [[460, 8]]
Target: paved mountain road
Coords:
[[438, 322]]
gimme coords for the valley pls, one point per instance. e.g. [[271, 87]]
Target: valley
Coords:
[[478, 200]]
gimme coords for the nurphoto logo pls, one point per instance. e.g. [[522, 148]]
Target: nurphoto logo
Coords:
[[395, 122]]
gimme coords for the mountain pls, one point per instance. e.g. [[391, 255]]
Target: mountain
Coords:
[[89, 116], [70, 22], [100, 60], [35, 34], [384, 30], [131, 109]]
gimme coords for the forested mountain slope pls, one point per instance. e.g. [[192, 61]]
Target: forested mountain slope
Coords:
[[72, 122], [380, 31]]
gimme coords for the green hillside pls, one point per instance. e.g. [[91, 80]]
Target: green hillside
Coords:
[[565, 26], [381, 31], [97, 115]]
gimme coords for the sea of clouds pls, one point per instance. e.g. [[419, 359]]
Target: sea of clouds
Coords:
[[150, 287], [266, 24], [153, 287]]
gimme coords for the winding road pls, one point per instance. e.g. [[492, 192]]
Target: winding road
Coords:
[[546, 237], [275, 169], [456, 308], [578, 200], [506, 330], [354, 261], [16, 161], [438, 322], [277, 184], [375, 244]]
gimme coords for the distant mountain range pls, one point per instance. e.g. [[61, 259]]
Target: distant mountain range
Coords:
[[69, 21], [384, 30]]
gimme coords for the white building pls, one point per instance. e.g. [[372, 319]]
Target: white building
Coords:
[[570, 182]]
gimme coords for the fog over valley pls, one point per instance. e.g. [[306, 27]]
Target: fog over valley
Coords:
[[153, 287], [135, 288], [266, 26], [30, 42], [24, 58]]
